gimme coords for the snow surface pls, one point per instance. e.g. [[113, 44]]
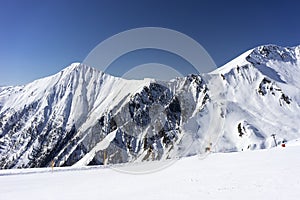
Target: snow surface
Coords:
[[261, 174]]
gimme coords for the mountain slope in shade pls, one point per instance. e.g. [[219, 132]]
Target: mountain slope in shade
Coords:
[[81, 116]]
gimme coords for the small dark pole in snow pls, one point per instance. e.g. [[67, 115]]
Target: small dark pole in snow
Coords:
[[273, 135]]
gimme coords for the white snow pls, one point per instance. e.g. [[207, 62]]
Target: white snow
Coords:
[[261, 174], [100, 146], [238, 61]]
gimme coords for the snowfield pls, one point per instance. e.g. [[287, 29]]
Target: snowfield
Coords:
[[261, 174]]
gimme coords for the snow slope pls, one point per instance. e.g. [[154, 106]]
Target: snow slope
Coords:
[[262, 174], [81, 116]]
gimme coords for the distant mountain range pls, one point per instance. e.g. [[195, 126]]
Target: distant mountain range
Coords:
[[81, 116]]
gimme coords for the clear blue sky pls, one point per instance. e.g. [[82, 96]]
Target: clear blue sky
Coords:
[[40, 37]]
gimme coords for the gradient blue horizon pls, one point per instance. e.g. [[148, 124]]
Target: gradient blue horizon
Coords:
[[40, 38]]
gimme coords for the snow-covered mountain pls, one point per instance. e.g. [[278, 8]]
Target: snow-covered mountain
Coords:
[[81, 116]]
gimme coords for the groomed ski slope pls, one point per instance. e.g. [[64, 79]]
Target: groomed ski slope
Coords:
[[261, 174]]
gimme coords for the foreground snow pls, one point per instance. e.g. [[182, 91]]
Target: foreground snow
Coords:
[[261, 174]]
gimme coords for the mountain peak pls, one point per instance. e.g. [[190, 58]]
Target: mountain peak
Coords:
[[79, 69], [75, 66], [265, 53], [260, 56]]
